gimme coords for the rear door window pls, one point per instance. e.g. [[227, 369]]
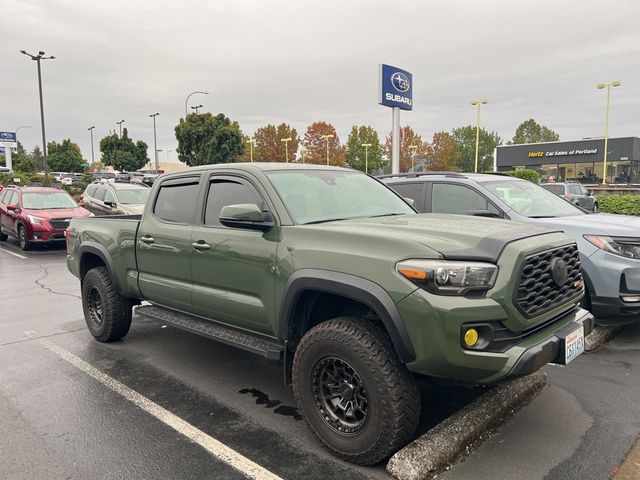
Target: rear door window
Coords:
[[458, 199], [176, 201], [100, 192]]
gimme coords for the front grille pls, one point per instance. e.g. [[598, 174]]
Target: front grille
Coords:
[[538, 292], [60, 222]]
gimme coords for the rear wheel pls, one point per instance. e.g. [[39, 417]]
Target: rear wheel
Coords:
[[107, 313], [356, 395], [3, 236], [595, 208], [24, 242]]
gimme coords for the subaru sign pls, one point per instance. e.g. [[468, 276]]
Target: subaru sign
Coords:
[[8, 139], [395, 87]]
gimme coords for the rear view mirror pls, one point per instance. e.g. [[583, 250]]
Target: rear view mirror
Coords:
[[109, 204], [244, 215], [484, 213]]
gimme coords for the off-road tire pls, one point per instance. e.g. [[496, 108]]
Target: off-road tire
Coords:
[[3, 236], [23, 241], [392, 395], [110, 321]]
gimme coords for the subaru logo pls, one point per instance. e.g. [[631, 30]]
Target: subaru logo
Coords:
[[400, 82], [6, 135], [559, 271]]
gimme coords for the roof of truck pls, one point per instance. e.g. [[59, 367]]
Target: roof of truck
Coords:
[[266, 166]]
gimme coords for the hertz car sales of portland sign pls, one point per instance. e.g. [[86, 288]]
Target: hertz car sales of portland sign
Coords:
[[563, 153]]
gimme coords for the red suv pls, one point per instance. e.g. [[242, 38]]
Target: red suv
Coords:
[[36, 214]]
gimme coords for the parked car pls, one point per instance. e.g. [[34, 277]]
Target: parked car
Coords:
[[115, 198], [123, 177], [332, 272], [609, 244], [72, 178], [105, 177], [574, 193], [36, 215], [149, 178], [57, 176], [136, 177]]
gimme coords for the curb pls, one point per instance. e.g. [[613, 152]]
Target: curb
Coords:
[[444, 442], [599, 336]]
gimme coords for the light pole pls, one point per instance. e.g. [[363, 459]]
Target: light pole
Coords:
[[17, 130], [187, 100], [37, 59], [196, 107], [302, 152], [120, 125], [327, 138], [286, 148], [477, 104], [366, 157], [91, 133], [155, 142], [600, 86], [414, 149], [250, 142]]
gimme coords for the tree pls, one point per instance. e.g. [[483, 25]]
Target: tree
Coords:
[[122, 153], [409, 157], [38, 158], [355, 153], [96, 167], [316, 146], [64, 157], [465, 139], [443, 152], [531, 131], [205, 139], [269, 146]]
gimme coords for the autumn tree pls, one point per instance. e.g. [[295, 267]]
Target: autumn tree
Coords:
[[531, 131], [443, 152], [316, 146], [245, 156], [408, 156], [269, 146], [205, 139], [465, 139], [356, 155], [64, 157], [122, 153]]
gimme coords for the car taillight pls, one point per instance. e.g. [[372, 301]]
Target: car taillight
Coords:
[[568, 197]]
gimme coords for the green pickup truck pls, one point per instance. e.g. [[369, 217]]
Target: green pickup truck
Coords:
[[333, 273]]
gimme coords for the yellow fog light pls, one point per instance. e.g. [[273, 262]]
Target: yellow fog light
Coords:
[[471, 337]]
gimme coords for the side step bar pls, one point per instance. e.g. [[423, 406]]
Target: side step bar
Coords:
[[267, 348]]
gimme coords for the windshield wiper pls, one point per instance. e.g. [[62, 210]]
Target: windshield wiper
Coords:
[[386, 215], [324, 221], [542, 216]]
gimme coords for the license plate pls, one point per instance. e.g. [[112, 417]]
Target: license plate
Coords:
[[574, 344]]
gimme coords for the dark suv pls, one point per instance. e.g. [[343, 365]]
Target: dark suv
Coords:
[[574, 193]]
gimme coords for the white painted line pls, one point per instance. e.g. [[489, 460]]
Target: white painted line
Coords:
[[12, 253], [210, 444]]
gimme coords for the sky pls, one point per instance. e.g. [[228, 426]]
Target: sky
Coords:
[[274, 61]]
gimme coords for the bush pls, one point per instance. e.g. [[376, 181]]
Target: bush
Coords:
[[621, 204], [525, 174]]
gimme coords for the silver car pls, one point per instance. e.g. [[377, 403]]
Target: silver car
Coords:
[[115, 198]]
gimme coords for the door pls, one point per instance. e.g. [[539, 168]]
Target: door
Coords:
[[96, 204], [9, 217], [164, 244], [233, 268], [459, 199]]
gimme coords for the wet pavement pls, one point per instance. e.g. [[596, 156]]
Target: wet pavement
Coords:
[[56, 421]]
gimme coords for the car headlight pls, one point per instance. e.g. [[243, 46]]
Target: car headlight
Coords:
[[35, 220], [628, 247], [449, 278]]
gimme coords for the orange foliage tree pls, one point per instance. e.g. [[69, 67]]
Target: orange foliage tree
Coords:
[[316, 146], [269, 147], [408, 138]]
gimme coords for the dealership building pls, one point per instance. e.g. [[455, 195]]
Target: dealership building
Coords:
[[575, 161]]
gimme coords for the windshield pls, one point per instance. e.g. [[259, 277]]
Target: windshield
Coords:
[[47, 200], [531, 200], [133, 196], [315, 196]]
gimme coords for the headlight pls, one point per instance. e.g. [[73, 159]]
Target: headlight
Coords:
[[449, 278], [35, 220], [629, 248]]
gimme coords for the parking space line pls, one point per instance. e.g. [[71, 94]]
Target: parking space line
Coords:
[[213, 446], [12, 253]]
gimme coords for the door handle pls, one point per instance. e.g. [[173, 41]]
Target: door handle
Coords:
[[201, 245], [147, 239]]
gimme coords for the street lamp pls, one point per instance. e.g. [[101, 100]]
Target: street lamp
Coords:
[[477, 104], [18, 129], [366, 157], [120, 125], [327, 138], [155, 143], [91, 133], [187, 100], [37, 59], [600, 86], [414, 149], [196, 107], [251, 141], [286, 148], [302, 152]]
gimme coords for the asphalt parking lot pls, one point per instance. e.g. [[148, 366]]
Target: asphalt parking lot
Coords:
[[70, 407]]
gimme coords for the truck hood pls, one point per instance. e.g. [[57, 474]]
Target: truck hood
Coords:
[[132, 208], [454, 236], [597, 223]]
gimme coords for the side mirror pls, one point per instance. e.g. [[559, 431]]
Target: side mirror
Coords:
[[410, 201], [245, 215], [13, 208], [484, 213], [109, 204]]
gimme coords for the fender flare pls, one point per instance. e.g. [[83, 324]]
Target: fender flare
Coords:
[[101, 252], [353, 287]]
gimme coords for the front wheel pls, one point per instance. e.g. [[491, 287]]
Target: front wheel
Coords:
[[24, 242], [353, 391], [595, 208]]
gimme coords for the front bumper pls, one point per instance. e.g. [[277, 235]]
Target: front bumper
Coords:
[[42, 235]]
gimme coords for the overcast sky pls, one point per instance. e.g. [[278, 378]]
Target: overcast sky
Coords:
[[304, 61]]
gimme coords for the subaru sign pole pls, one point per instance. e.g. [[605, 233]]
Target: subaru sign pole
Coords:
[[8, 140], [395, 90]]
